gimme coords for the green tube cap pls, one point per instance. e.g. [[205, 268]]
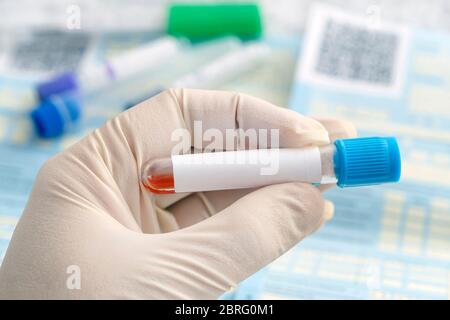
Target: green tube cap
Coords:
[[204, 21]]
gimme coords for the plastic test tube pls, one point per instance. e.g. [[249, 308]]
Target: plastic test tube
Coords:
[[122, 66], [347, 162], [225, 67], [60, 106]]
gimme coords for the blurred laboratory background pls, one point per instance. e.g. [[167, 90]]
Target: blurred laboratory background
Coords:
[[66, 67]]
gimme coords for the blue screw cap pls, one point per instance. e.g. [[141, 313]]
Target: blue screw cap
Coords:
[[367, 161], [55, 115], [60, 84]]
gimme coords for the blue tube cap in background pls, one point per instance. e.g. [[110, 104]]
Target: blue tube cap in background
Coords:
[[56, 115]]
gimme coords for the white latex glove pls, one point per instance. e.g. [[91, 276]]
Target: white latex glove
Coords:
[[89, 209]]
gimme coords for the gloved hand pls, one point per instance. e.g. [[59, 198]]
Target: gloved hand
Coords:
[[91, 230]]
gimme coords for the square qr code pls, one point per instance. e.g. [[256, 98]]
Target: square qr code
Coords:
[[50, 50], [353, 53], [344, 51]]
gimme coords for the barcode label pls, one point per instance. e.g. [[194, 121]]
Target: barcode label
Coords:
[[41, 53], [51, 51], [353, 53], [343, 51]]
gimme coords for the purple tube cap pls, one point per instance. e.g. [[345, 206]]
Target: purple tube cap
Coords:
[[59, 84]]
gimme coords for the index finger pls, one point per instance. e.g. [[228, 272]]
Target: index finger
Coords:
[[225, 111]]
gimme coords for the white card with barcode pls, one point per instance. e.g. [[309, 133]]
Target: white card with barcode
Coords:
[[351, 52]]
